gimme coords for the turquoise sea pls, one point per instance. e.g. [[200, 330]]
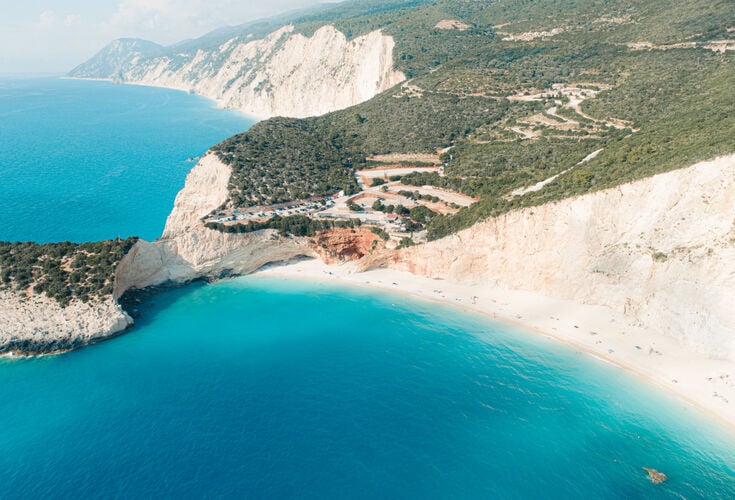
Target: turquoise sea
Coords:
[[269, 388], [86, 161]]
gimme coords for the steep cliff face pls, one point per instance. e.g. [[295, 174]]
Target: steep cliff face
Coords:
[[188, 250], [205, 189], [346, 244], [36, 324], [283, 74], [117, 56], [200, 252], [660, 250]]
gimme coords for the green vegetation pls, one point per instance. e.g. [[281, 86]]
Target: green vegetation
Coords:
[[415, 195], [412, 25], [380, 232], [421, 214], [659, 256], [654, 111], [62, 271], [294, 225], [405, 243], [281, 160]]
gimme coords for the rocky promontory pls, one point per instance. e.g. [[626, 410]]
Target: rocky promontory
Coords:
[[282, 74], [188, 250], [58, 296], [36, 324]]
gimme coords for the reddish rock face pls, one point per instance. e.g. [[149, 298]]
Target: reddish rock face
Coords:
[[346, 244]]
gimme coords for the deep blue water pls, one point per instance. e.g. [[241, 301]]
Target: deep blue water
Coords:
[[267, 388], [86, 161]]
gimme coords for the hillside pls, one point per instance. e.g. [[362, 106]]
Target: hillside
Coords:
[[281, 73], [500, 106], [111, 61], [528, 102]]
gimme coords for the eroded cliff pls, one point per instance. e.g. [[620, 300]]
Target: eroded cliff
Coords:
[[283, 74], [188, 250], [660, 250], [36, 324]]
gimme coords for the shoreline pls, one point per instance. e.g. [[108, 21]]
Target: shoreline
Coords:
[[217, 103], [704, 383]]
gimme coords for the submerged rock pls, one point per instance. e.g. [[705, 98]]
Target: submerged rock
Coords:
[[655, 476]]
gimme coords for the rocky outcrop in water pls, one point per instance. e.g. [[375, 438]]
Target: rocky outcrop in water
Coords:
[[36, 324], [655, 476]]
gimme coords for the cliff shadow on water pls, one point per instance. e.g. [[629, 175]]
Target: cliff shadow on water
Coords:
[[144, 305]]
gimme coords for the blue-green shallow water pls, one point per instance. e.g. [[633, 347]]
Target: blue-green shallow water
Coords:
[[266, 388], [86, 161]]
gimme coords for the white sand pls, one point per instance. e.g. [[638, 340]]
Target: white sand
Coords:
[[706, 383]]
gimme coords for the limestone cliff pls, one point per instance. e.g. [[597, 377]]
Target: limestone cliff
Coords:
[[35, 324], [205, 189], [39, 325], [188, 250], [283, 74], [661, 250]]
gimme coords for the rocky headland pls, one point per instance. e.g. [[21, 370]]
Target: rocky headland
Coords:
[[660, 251], [283, 74], [37, 325], [572, 185]]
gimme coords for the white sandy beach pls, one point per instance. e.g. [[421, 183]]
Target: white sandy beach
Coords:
[[599, 331]]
